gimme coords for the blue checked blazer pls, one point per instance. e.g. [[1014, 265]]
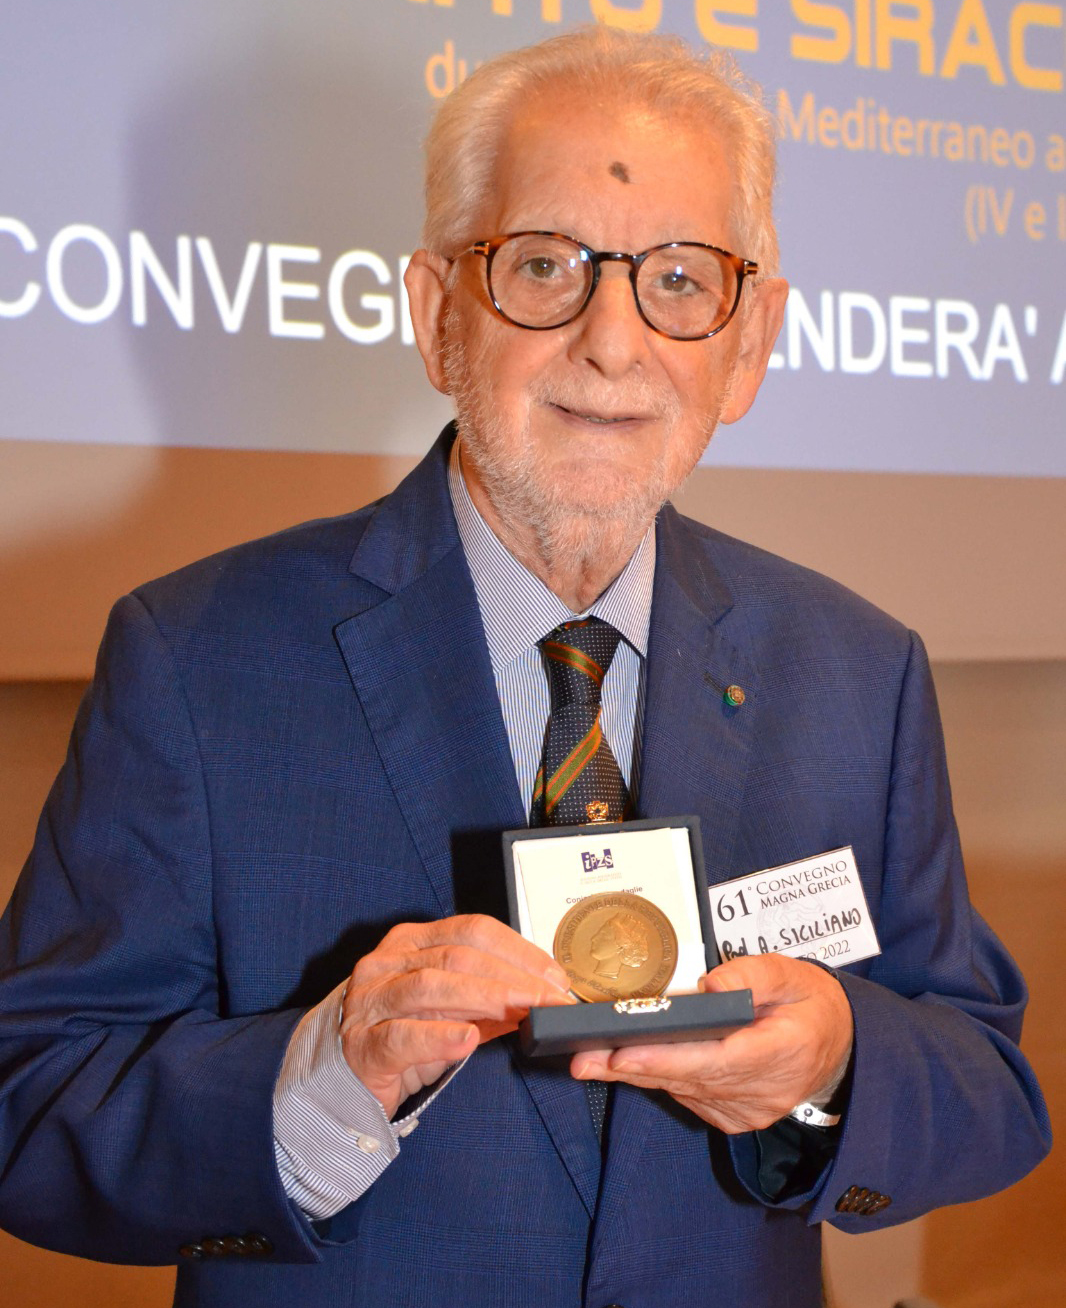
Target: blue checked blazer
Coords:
[[293, 745]]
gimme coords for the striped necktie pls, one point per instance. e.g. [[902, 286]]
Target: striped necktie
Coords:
[[579, 778]]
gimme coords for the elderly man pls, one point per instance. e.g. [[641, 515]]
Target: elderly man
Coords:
[[261, 938]]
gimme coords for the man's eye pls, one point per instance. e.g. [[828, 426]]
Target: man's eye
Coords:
[[677, 283], [541, 267]]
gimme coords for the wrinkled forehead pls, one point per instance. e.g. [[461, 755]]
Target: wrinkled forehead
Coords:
[[587, 165]]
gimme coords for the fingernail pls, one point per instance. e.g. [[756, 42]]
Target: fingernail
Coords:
[[557, 977], [557, 998]]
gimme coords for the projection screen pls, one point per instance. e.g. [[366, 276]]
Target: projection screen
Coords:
[[206, 210]]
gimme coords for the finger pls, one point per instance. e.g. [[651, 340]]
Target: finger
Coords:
[[679, 1063], [731, 1104], [759, 1073], [590, 1064], [431, 993], [615, 1064], [489, 1030], [459, 960], [666, 1067], [732, 1066], [732, 1118], [771, 978], [803, 1008], [476, 931], [677, 1088], [476, 962], [492, 937]]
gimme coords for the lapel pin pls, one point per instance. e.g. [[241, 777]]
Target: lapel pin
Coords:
[[734, 695]]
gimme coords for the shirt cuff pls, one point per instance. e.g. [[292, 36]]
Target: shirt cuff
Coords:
[[332, 1139]]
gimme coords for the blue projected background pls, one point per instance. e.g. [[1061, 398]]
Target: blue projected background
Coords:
[[205, 211]]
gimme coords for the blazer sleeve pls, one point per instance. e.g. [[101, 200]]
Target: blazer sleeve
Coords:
[[135, 1114], [943, 1108]]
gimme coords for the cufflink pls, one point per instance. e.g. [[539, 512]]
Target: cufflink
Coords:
[[811, 1116]]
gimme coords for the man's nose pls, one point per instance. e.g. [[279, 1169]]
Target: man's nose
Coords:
[[612, 336]]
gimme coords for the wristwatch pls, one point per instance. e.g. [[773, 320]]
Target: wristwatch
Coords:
[[811, 1116]]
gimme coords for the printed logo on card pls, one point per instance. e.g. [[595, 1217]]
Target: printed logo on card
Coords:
[[591, 862]]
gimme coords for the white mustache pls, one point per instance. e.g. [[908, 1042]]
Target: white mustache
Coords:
[[635, 398]]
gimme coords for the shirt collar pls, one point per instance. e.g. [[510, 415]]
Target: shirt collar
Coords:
[[517, 609]]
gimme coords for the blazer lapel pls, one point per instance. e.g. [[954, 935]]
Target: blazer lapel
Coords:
[[563, 1106], [420, 666], [696, 745], [694, 761]]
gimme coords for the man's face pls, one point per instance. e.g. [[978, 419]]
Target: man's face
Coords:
[[603, 418]]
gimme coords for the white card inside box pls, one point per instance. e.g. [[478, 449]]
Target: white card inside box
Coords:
[[553, 873]]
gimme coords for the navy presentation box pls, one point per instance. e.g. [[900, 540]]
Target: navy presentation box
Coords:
[[606, 1025]]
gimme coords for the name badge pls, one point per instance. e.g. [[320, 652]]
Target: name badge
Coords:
[[814, 908]]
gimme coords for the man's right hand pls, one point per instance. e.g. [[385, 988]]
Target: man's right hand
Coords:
[[431, 992]]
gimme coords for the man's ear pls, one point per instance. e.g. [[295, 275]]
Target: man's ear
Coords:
[[425, 278], [759, 328]]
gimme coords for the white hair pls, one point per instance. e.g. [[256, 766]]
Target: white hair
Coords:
[[660, 72]]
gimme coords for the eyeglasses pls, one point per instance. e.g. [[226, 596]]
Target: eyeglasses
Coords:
[[684, 290]]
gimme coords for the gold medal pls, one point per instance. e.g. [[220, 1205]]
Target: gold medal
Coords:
[[616, 946]]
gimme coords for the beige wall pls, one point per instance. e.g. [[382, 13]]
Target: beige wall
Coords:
[[1006, 730], [968, 561], [1006, 735]]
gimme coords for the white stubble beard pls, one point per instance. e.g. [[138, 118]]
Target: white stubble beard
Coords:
[[572, 531]]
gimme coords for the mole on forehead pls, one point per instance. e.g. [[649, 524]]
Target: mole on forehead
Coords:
[[620, 171]]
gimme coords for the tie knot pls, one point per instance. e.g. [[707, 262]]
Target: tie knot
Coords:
[[577, 656]]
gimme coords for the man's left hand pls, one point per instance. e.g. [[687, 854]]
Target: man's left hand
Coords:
[[796, 1050]]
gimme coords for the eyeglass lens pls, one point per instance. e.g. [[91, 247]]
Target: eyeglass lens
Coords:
[[543, 281]]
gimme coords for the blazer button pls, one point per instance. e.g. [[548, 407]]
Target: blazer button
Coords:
[[191, 1251], [214, 1247], [258, 1244], [863, 1201]]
